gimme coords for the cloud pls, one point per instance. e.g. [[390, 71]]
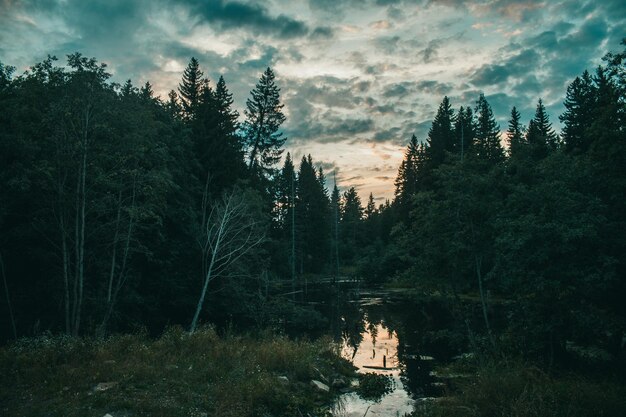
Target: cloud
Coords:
[[252, 16], [323, 32], [525, 62]]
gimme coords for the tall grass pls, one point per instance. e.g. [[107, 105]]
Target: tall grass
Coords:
[[522, 390], [179, 374]]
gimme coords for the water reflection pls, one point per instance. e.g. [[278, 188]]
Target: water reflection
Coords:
[[377, 352], [385, 329]]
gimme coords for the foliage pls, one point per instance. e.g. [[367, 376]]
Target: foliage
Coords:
[[179, 374], [519, 389], [374, 386]]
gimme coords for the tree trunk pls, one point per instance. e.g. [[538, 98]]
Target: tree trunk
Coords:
[[208, 276], [6, 293]]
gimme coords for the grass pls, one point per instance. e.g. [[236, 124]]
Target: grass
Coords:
[[203, 374], [522, 390]]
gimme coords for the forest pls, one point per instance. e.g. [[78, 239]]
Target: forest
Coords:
[[123, 212]]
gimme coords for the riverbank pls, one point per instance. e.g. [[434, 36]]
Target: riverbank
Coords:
[[203, 374], [513, 388]]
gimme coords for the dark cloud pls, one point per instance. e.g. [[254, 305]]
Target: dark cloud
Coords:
[[323, 32], [434, 87], [397, 90], [253, 16], [388, 135], [525, 62]]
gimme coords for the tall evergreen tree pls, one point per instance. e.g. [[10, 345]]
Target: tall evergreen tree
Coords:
[[312, 214], [370, 208], [217, 145], [540, 136], [580, 104], [465, 129], [441, 135], [351, 218], [515, 133], [487, 143], [410, 175], [263, 119], [190, 88], [336, 209]]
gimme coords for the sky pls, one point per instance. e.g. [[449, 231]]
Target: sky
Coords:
[[357, 77]]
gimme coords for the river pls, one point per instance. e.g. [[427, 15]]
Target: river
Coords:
[[387, 332]]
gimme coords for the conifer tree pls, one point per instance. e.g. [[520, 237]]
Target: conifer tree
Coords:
[[351, 217], [580, 104], [190, 88], [146, 93], [263, 119], [487, 143], [370, 208], [515, 134], [540, 136], [335, 207], [465, 130], [441, 134]]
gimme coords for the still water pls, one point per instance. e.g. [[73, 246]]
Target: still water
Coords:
[[385, 332]]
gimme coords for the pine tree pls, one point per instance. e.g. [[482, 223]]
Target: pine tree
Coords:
[[173, 105], [487, 143], [540, 136], [146, 93], [409, 176], [441, 134], [190, 88], [515, 134], [465, 131], [351, 218], [217, 145], [370, 209], [580, 103], [263, 119], [312, 214], [335, 208]]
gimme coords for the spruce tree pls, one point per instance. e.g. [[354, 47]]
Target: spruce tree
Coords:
[[540, 136], [441, 134], [465, 131], [370, 208], [263, 119], [190, 88], [487, 143], [580, 104], [515, 134]]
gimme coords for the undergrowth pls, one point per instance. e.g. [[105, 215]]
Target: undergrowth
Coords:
[[179, 374], [523, 390]]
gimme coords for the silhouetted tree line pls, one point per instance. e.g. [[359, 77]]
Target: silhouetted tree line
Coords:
[[536, 225], [121, 210], [113, 202]]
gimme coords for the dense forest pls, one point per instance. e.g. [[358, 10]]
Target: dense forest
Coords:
[[122, 211]]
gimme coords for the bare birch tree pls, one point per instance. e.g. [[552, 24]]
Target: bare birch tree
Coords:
[[230, 233]]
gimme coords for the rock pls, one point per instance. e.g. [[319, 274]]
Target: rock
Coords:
[[339, 383], [464, 356], [320, 375], [103, 386], [320, 385], [109, 362], [426, 358], [283, 379], [107, 415]]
